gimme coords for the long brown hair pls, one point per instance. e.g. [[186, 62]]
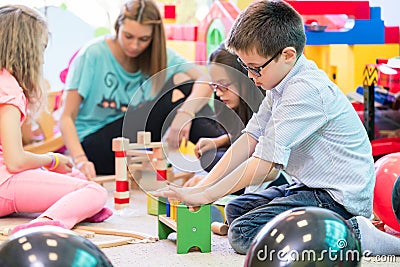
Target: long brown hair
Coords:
[[146, 12], [23, 38], [249, 94]]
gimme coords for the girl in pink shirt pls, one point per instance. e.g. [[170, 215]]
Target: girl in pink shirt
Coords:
[[29, 182]]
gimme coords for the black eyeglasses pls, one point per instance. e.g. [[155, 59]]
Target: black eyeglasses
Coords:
[[221, 87], [257, 71]]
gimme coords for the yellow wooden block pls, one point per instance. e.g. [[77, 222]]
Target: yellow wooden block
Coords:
[[152, 205], [188, 149]]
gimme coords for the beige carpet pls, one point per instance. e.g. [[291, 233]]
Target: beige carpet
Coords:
[[163, 252]]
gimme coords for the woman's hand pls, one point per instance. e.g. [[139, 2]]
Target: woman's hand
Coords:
[[179, 130], [203, 145]]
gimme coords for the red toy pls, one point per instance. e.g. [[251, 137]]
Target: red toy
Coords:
[[387, 173]]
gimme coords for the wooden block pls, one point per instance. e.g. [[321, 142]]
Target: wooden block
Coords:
[[134, 146], [120, 169], [158, 153], [170, 174], [103, 179], [121, 195], [174, 209], [160, 164], [134, 178], [6, 231], [143, 137], [120, 144], [138, 159], [152, 205], [219, 228], [139, 152], [121, 206], [167, 221]]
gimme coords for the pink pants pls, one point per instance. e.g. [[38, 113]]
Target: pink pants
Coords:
[[60, 197]]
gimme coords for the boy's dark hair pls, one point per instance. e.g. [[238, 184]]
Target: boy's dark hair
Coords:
[[266, 27]]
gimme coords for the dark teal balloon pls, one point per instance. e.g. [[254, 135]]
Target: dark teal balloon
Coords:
[[308, 236], [396, 199], [50, 246]]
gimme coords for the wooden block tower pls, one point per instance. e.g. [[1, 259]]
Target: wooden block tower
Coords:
[[121, 194], [137, 157]]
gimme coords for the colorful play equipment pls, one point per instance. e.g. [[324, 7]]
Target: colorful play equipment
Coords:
[[195, 42], [380, 80], [343, 53], [387, 175]]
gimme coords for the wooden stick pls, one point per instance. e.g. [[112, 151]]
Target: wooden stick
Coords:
[[84, 233], [139, 152], [103, 179], [219, 228], [113, 243], [6, 231], [116, 232]]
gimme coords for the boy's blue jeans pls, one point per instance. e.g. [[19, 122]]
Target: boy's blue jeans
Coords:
[[248, 213]]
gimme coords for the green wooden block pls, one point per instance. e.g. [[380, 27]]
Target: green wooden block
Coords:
[[193, 229]]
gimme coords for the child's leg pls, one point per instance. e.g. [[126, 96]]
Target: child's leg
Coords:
[[60, 197], [247, 202], [243, 229], [373, 241]]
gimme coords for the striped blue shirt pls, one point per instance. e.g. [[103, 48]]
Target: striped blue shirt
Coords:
[[307, 125]]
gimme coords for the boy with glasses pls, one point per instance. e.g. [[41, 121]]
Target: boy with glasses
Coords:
[[305, 125]]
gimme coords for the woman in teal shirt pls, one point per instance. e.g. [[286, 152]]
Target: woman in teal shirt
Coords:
[[110, 76]]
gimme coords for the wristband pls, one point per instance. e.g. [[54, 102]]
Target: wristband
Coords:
[[181, 110], [77, 157], [55, 161]]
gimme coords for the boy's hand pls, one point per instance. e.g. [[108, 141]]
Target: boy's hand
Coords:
[[193, 181], [190, 196]]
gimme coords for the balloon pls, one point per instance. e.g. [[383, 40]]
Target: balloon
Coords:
[[396, 199], [49, 246], [307, 236], [386, 204]]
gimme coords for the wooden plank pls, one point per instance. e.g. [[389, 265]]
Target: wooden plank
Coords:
[[84, 233], [135, 146], [167, 221], [104, 179], [116, 232], [138, 159], [137, 152], [113, 243]]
